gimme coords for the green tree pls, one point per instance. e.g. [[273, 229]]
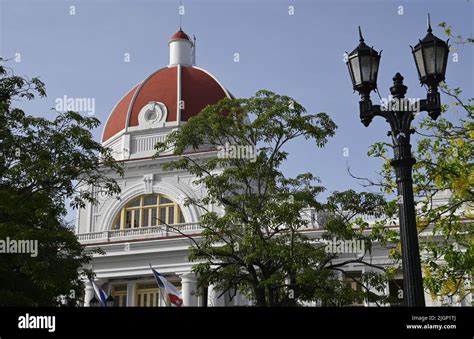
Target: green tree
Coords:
[[257, 245], [42, 163]]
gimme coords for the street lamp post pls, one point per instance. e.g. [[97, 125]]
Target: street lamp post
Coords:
[[430, 56]]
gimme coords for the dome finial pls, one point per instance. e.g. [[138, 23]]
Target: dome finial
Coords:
[[429, 24], [361, 38]]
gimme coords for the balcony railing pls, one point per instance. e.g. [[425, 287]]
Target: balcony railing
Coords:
[[140, 232], [165, 231]]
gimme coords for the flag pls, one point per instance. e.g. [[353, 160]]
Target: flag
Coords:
[[101, 295], [170, 293]]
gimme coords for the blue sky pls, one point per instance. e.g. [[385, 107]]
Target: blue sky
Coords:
[[299, 55]]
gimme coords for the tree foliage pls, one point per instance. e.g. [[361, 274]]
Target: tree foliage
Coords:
[[255, 242], [42, 163]]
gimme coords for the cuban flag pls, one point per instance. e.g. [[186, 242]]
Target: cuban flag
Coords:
[[171, 296], [101, 295]]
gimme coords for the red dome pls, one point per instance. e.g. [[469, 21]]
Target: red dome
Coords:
[[198, 89], [180, 35]]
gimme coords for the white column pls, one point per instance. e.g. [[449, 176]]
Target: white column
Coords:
[[188, 288], [88, 293], [213, 297], [201, 299], [241, 300], [130, 293]]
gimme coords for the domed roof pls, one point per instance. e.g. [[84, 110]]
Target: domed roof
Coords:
[[197, 88], [180, 35], [180, 90]]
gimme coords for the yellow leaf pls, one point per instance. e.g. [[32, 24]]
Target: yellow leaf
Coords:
[[460, 186], [439, 181]]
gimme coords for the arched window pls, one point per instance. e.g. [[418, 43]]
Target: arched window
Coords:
[[148, 210]]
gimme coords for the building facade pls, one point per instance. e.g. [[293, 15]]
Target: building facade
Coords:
[[128, 228]]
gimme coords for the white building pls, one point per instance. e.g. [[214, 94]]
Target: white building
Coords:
[[126, 228]]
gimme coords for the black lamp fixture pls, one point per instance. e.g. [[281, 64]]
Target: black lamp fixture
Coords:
[[431, 55], [431, 58], [363, 63]]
